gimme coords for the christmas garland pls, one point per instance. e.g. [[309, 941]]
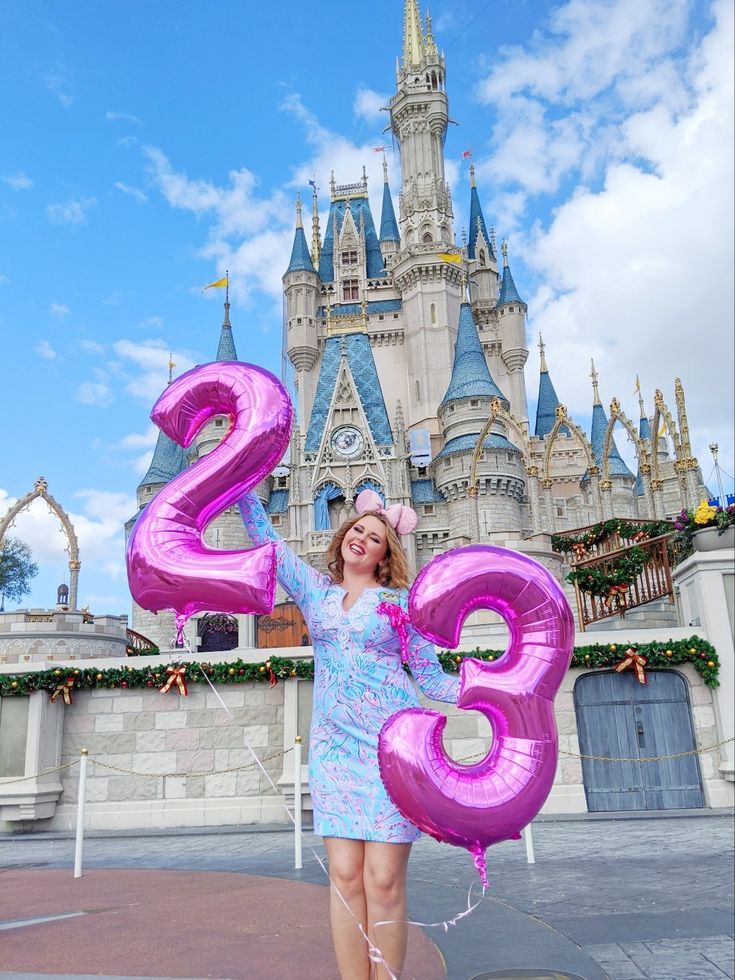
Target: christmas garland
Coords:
[[627, 530], [620, 571], [63, 682]]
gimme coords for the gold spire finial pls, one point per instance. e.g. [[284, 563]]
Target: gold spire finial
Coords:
[[472, 175], [385, 169], [640, 396], [504, 250], [681, 411], [171, 367], [413, 41], [430, 42], [298, 210], [542, 354], [595, 383], [332, 183]]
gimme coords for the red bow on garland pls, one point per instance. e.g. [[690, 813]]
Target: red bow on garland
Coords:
[[635, 660], [177, 676], [63, 691]]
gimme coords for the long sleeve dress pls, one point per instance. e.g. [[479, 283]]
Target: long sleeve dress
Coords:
[[359, 682]]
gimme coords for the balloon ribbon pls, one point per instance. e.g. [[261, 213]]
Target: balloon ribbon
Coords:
[[399, 621]]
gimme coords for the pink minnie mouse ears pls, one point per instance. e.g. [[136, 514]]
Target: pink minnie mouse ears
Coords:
[[403, 519]]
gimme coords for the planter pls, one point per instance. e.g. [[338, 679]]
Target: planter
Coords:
[[708, 539]]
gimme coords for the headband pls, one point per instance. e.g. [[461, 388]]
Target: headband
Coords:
[[402, 518]]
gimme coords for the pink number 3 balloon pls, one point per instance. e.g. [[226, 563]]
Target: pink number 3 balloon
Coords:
[[168, 564], [476, 805]]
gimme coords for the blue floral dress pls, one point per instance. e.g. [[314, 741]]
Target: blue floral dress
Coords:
[[359, 682]]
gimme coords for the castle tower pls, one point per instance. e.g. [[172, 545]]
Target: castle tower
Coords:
[[514, 353], [462, 415], [620, 494], [390, 239], [300, 286], [430, 288], [548, 401]]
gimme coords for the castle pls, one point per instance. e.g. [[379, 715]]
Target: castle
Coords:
[[406, 357]]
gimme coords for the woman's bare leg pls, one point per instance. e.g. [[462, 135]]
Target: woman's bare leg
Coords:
[[346, 868], [384, 875]]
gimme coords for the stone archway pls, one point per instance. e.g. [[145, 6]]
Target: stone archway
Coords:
[[40, 489], [563, 419], [642, 455]]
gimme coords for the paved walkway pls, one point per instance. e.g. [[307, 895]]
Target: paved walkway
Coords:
[[617, 899]]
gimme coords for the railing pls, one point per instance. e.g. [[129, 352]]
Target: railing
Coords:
[[138, 645], [651, 583], [611, 542]]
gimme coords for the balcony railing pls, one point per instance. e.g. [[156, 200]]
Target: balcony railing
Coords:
[[138, 645]]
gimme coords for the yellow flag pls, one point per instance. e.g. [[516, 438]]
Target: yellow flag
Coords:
[[219, 284], [446, 257]]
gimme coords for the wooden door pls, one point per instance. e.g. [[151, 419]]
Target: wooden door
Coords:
[[619, 717], [285, 627]]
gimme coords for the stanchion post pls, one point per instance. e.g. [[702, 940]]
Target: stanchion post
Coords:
[[298, 862], [528, 838], [84, 755]]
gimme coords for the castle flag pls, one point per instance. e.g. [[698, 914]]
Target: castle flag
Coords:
[[219, 284]]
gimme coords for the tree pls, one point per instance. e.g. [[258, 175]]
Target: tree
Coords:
[[16, 569]]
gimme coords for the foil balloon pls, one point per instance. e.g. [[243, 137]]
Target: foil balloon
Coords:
[[477, 805], [168, 564]]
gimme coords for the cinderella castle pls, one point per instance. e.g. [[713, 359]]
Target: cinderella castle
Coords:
[[406, 357]]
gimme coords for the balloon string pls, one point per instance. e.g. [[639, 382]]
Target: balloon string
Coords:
[[374, 953]]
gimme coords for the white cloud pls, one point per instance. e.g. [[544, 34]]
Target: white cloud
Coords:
[[136, 440], [3, 279], [19, 181], [133, 192], [152, 321], [45, 350], [368, 104], [149, 360], [638, 273], [59, 83], [91, 346], [70, 212], [121, 117], [97, 392], [59, 309]]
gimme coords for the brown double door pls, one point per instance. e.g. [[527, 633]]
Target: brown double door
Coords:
[[284, 627]]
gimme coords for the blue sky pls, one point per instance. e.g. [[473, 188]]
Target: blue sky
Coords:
[[146, 147]]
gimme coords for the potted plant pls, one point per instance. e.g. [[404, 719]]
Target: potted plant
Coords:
[[706, 528]]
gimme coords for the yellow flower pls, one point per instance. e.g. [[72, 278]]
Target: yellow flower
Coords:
[[704, 513]]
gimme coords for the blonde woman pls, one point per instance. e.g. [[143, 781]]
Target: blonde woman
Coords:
[[359, 682]]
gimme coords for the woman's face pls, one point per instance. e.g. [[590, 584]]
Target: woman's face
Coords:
[[365, 545]]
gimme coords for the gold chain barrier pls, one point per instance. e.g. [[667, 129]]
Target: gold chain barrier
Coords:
[[275, 755]]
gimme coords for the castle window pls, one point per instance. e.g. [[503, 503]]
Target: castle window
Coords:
[[421, 470], [427, 237], [282, 482], [511, 309], [380, 316], [433, 312], [275, 520], [350, 290], [418, 390], [218, 423], [447, 462], [298, 319], [428, 509], [474, 402], [395, 316], [482, 256], [349, 258]]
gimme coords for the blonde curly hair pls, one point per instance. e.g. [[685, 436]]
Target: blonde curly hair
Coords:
[[392, 571]]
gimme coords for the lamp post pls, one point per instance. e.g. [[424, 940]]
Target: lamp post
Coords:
[[713, 448]]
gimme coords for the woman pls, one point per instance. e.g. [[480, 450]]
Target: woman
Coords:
[[359, 682]]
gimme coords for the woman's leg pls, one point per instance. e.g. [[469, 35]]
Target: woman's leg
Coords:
[[384, 875], [346, 862]]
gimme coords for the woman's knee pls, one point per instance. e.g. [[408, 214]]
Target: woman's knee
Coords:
[[346, 870], [384, 885]]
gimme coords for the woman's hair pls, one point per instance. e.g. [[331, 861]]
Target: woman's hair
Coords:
[[392, 570]]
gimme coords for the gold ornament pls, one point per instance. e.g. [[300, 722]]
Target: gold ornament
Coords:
[[231, 671], [613, 647], [710, 663], [99, 677], [669, 653], [14, 684]]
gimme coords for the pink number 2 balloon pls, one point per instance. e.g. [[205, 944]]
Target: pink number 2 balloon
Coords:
[[492, 800], [168, 564]]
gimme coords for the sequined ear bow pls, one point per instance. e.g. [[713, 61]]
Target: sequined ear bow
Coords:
[[402, 518]]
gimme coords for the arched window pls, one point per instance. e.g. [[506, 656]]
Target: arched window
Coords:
[[432, 312], [418, 390], [427, 237], [482, 256]]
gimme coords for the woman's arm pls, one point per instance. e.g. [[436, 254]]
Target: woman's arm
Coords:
[[427, 670], [297, 578]]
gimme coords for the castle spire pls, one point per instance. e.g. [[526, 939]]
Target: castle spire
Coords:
[[477, 220], [471, 376], [413, 41], [300, 257], [595, 384], [388, 224], [316, 234], [508, 291], [430, 42], [542, 354], [548, 400], [171, 367]]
